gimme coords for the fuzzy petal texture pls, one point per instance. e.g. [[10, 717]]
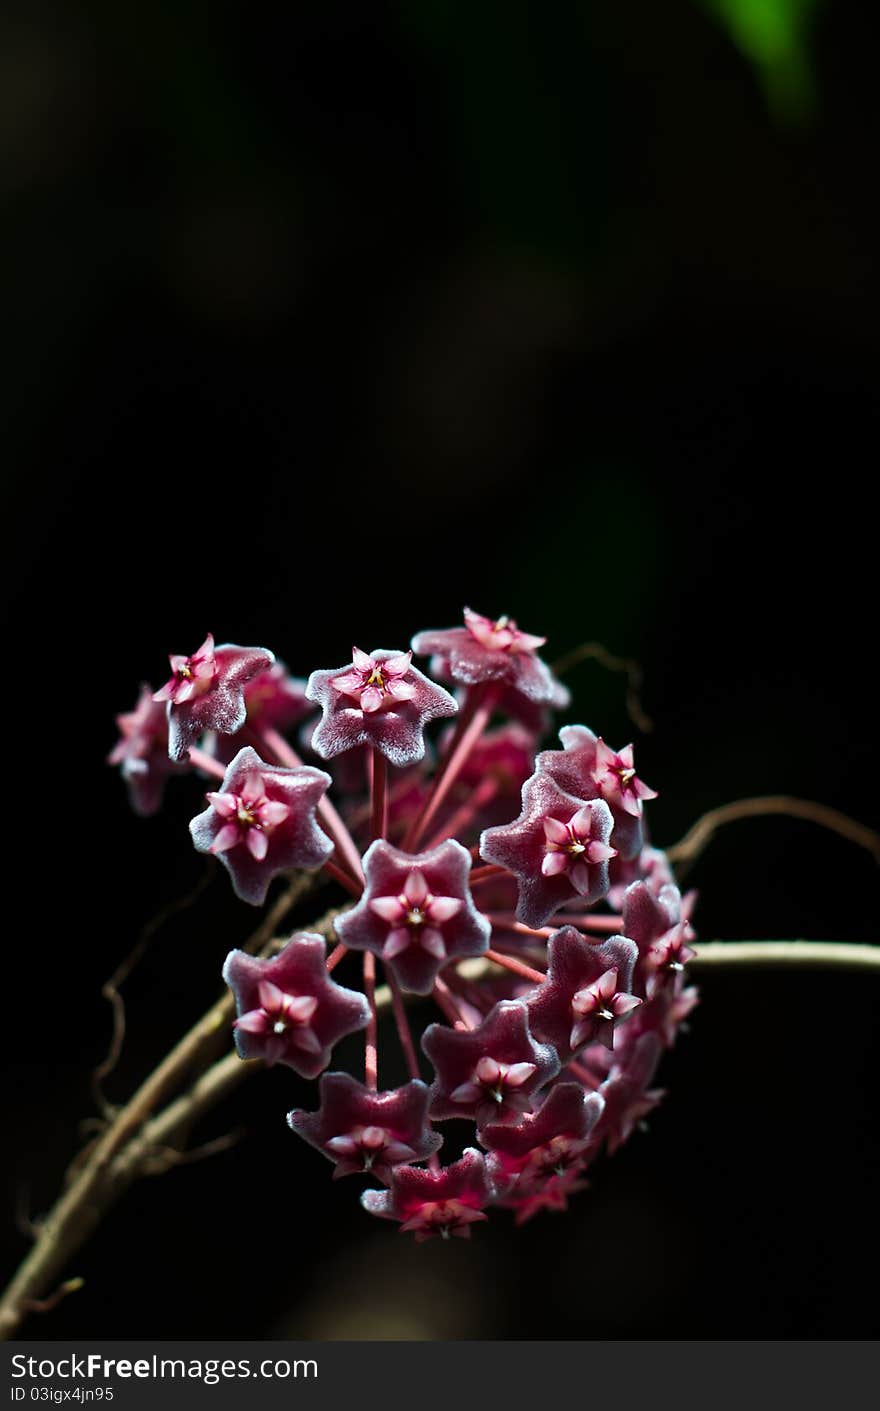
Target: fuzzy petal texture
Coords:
[[417, 912], [207, 692], [363, 1131], [487, 650], [575, 964], [478, 1072], [302, 1037], [575, 770], [358, 710], [522, 846], [545, 1142], [296, 841], [427, 1203]]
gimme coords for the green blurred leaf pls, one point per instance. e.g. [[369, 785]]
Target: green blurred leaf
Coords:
[[775, 35]]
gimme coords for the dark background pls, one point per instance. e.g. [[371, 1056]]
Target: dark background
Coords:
[[321, 321]]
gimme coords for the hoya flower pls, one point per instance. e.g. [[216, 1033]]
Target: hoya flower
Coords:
[[650, 866], [262, 823], [366, 1132], [543, 1143], [445, 1202], [587, 769], [649, 915], [490, 1073], [586, 992], [616, 778], [557, 848], [487, 650], [274, 700], [668, 956], [206, 692], [627, 1092], [416, 913], [289, 1009], [142, 753], [551, 1192], [380, 700]]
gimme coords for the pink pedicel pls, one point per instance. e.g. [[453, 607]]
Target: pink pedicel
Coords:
[[500, 951]]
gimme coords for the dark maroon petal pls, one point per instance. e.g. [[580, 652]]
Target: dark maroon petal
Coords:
[[503, 1036], [300, 969], [446, 870], [396, 728], [566, 1111], [222, 707], [347, 1105], [298, 842], [462, 1191], [520, 847], [573, 964]]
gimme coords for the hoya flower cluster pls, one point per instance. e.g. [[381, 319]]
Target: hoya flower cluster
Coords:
[[529, 943]]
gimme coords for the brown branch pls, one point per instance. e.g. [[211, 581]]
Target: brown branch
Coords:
[[685, 852], [99, 1179], [113, 1165], [594, 651]]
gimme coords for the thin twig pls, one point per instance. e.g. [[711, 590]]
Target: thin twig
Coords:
[[685, 852], [114, 1164], [594, 651], [110, 988], [93, 1187]]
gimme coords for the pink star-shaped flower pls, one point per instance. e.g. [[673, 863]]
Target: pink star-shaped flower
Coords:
[[380, 700], [489, 1073], [550, 1192], [289, 1009], [545, 1142], [557, 848], [206, 692], [586, 992], [445, 1202], [487, 650], [616, 778], [668, 956], [368, 1132], [142, 753], [587, 769], [416, 913], [628, 1097], [262, 823]]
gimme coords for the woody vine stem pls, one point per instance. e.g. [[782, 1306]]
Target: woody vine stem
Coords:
[[578, 841], [140, 1141]]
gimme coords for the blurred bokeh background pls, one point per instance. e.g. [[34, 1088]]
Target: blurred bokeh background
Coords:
[[321, 321]]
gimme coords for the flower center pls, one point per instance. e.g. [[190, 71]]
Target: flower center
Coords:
[[376, 678], [415, 916]]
